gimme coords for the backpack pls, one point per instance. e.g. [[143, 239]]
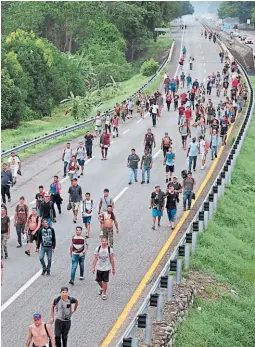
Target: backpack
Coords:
[[164, 141], [109, 250], [149, 139]]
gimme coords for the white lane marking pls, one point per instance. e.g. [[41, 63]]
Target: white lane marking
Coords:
[[112, 142], [89, 160], [204, 64], [156, 154], [21, 290], [64, 179], [120, 194], [125, 131], [203, 57], [178, 66], [32, 202], [204, 71], [139, 121]]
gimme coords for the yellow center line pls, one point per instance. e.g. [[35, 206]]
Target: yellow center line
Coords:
[[159, 257]]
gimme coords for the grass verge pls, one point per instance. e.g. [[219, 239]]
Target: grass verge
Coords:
[[226, 252]]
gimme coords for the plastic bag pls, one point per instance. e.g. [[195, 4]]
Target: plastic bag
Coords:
[[69, 206], [24, 239]]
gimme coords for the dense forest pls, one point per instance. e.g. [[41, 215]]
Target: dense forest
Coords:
[[237, 9], [51, 50]]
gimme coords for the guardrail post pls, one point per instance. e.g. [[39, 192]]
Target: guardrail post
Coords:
[[215, 198], [159, 311], [179, 271], [135, 342], [219, 187], [211, 196], [206, 213], [226, 174], [194, 242], [170, 284], [148, 330], [229, 170], [222, 175], [201, 222], [187, 256]]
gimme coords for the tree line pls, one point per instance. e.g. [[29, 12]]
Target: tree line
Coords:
[[242, 10], [50, 49]]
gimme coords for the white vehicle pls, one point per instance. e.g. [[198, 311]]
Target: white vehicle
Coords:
[[243, 37], [236, 34], [248, 40]]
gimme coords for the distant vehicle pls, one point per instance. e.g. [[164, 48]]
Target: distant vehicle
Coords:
[[236, 34], [248, 40], [243, 37]]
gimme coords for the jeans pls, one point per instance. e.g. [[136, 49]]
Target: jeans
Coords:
[[20, 230], [5, 190], [214, 150], [132, 174], [188, 86], [154, 119], [89, 149], [4, 245], [48, 251], [76, 259], [61, 331], [148, 170], [56, 199], [65, 166], [187, 195], [194, 160]]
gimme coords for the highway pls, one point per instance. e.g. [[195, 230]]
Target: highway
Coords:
[[24, 291]]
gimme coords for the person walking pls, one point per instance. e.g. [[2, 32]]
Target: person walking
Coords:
[[169, 163], [32, 227], [146, 166], [98, 123], [177, 187], [66, 156], [73, 168], [39, 198], [20, 218], [188, 186], [107, 219], [55, 191], [192, 153], [46, 244], [6, 182], [203, 151], [78, 249], [157, 205], [5, 232], [104, 144], [166, 143], [103, 264], [149, 141], [62, 309], [115, 124], [40, 333], [154, 114], [89, 138], [75, 196], [14, 164], [185, 132], [132, 163], [47, 210], [171, 205], [214, 144], [81, 157], [86, 211]]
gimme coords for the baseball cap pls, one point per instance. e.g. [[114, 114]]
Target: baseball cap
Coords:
[[37, 316], [157, 185]]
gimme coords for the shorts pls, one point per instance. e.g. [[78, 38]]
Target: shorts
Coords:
[[156, 213], [171, 215], [75, 205], [14, 170], [102, 276], [98, 127], [184, 138], [30, 237], [81, 162], [169, 168], [203, 155], [86, 220]]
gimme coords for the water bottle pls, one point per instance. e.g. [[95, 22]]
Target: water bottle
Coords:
[[24, 239]]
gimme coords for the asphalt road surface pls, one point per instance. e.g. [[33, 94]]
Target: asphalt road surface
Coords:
[[137, 244]]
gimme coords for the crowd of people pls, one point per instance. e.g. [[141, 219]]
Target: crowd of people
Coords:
[[201, 123]]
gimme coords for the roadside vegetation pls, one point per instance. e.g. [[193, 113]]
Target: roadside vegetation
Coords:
[[225, 252]]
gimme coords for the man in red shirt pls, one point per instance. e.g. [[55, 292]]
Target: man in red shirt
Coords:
[[188, 115], [183, 97], [181, 110], [104, 144], [235, 83]]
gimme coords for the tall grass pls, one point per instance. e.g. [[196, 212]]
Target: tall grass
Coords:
[[226, 251]]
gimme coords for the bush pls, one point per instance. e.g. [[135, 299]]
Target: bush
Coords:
[[149, 67]]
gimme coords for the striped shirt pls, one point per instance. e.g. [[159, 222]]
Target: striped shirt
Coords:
[[78, 244]]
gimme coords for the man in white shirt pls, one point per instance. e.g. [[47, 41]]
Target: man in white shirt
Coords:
[[154, 113], [14, 164], [86, 210], [202, 151]]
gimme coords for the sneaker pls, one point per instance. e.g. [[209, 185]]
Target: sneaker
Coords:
[[158, 224], [19, 246], [100, 291], [43, 272], [82, 174], [166, 180], [81, 278], [48, 273], [202, 168], [74, 221], [142, 182], [27, 253], [104, 297], [153, 227], [71, 282], [184, 209], [64, 175], [216, 156], [6, 256], [136, 180], [148, 181], [79, 176], [9, 199], [129, 183]]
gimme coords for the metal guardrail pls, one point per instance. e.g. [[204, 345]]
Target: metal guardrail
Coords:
[[199, 222], [76, 126]]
